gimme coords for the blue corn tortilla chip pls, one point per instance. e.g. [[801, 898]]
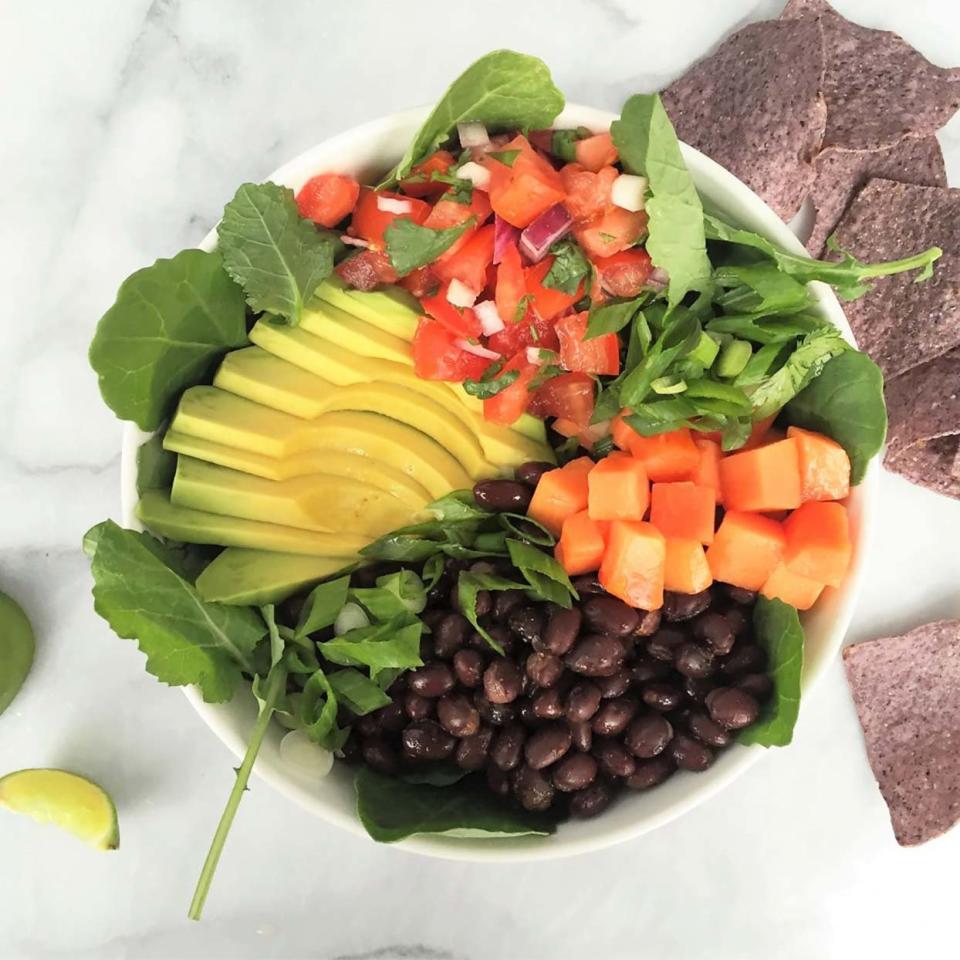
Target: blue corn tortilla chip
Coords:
[[755, 106], [907, 693], [878, 88]]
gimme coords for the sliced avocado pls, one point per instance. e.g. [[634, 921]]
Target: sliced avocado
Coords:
[[364, 434], [391, 309], [319, 502], [198, 526], [243, 577], [336, 326]]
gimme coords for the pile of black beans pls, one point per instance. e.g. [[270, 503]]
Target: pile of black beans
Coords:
[[583, 701]]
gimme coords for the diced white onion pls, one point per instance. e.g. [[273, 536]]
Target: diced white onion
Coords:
[[472, 134], [354, 241], [533, 355], [391, 205], [460, 295], [629, 192], [350, 617], [477, 175], [310, 759], [477, 350], [489, 317]]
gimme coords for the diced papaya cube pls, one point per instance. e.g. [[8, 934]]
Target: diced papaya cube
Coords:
[[618, 489], [667, 456], [686, 569], [707, 473], [560, 494], [818, 542], [783, 584], [745, 549], [683, 510], [766, 478], [581, 545], [824, 466], [633, 563], [623, 434]]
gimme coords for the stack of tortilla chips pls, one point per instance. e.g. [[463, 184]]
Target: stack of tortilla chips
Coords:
[[812, 105]]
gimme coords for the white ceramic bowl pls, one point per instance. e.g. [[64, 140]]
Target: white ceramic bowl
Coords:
[[364, 152]]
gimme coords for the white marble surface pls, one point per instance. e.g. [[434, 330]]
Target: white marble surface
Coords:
[[126, 124]]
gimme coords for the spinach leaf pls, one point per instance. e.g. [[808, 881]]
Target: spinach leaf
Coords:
[[318, 712], [272, 252], [648, 145], [381, 646], [394, 595], [322, 605], [526, 528], [391, 809], [503, 89], [357, 692], [155, 466], [759, 288], [777, 628], [611, 317], [547, 578], [410, 246], [764, 363], [169, 324], [766, 330], [441, 773], [569, 268], [140, 594], [469, 585], [457, 506], [846, 403], [16, 649]]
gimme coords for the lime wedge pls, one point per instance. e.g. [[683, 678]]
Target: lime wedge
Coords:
[[66, 800]]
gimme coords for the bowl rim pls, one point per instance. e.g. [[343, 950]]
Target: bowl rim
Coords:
[[231, 729]]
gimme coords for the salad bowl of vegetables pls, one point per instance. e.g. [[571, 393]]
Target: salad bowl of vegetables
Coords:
[[694, 324]]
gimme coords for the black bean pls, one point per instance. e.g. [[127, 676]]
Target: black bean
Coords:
[[648, 736], [472, 751], [368, 725], [380, 756], [457, 715], [605, 614], [483, 603], [548, 704], [758, 685], [438, 596], [587, 584], [732, 708], [501, 681], [663, 644], [644, 670], [744, 658], [507, 748], [690, 754], [715, 629], [526, 713], [650, 773], [615, 686], [582, 734], [432, 680], [527, 623], [506, 601], [496, 714], [741, 596], [547, 745], [662, 697], [737, 619], [596, 655], [500, 635], [532, 788], [468, 667], [678, 607], [450, 635], [498, 782], [707, 730], [694, 660], [531, 471], [649, 623], [392, 717], [432, 617], [592, 800], [426, 740], [696, 689], [574, 772], [613, 716], [544, 669], [502, 495], [614, 759], [560, 632], [583, 700]]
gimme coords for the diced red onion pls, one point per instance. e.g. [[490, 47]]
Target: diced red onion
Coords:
[[490, 320], [391, 205], [460, 295], [505, 235], [477, 175], [472, 134], [658, 279], [354, 241], [542, 140], [477, 350], [546, 230]]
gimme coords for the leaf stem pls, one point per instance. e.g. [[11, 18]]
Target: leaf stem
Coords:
[[883, 269], [276, 684]]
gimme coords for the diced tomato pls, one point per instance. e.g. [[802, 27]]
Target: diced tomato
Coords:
[[370, 222], [523, 199], [366, 270], [570, 397], [449, 213], [436, 355], [588, 193], [596, 152], [469, 263], [327, 198], [458, 320], [611, 232], [510, 403], [422, 282], [511, 286], [598, 355], [548, 301], [529, 161], [419, 183], [531, 331], [626, 273]]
